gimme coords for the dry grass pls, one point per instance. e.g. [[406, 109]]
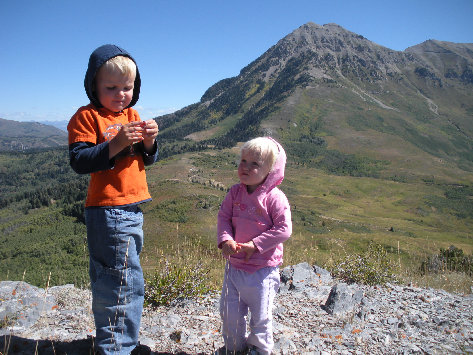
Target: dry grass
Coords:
[[454, 282]]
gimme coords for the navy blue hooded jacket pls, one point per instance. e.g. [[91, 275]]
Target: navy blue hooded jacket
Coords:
[[86, 157], [96, 60]]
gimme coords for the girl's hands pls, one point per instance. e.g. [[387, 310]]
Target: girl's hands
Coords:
[[248, 248], [230, 247]]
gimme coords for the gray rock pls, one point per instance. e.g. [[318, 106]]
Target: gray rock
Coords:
[[285, 346], [303, 276], [325, 276], [342, 299], [23, 304], [286, 279]]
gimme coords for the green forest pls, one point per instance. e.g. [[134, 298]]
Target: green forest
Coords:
[[41, 218]]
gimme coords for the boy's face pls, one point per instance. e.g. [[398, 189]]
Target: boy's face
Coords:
[[114, 90], [252, 170]]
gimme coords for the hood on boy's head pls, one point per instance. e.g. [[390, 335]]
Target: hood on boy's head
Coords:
[[96, 60]]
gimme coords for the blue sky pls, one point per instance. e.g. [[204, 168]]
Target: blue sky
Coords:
[[183, 47]]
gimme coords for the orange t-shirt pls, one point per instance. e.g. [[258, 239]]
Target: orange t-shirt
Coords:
[[126, 182]]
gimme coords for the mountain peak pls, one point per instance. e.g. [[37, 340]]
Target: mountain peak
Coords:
[[329, 38], [340, 76], [433, 46], [326, 51], [314, 30], [330, 26]]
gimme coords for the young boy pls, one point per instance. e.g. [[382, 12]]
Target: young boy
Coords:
[[108, 140], [253, 222]]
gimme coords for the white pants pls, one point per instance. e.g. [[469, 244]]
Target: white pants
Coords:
[[255, 292]]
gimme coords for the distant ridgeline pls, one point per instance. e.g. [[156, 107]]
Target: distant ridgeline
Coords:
[[20, 136]]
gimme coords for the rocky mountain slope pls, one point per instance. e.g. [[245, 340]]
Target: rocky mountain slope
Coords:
[[325, 91], [313, 314]]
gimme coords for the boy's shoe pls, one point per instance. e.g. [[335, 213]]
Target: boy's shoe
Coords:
[[141, 349]]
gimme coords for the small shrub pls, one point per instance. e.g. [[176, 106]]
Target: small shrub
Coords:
[[451, 259], [173, 283], [174, 210], [372, 267], [8, 321]]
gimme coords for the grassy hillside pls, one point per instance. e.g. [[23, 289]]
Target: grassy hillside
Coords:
[[405, 144], [333, 216]]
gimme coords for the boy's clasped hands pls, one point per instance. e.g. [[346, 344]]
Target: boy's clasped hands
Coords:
[[230, 247], [135, 132], [138, 131]]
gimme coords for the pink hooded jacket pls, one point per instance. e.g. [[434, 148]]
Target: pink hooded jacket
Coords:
[[263, 216]]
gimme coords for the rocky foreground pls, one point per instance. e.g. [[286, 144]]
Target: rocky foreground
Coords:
[[314, 314]]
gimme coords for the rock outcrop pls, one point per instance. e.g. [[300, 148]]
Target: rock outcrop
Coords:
[[313, 314]]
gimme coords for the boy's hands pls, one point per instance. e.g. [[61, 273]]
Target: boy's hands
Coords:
[[248, 248], [127, 135], [230, 247], [134, 132], [149, 133]]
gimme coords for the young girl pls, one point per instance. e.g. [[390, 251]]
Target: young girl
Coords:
[[253, 222]]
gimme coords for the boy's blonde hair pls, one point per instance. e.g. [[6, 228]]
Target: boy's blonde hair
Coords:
[[266, 149], [120, 65]]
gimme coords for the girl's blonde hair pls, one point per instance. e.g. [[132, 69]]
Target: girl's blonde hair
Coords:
[[265, 147], [120, 64]]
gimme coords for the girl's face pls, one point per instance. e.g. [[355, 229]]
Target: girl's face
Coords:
[[114, 90], [252, 170]]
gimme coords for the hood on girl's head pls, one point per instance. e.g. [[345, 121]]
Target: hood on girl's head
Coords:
[[96, 60], [276, 174]]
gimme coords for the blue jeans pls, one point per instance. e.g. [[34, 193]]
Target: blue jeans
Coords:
[[115, 239]]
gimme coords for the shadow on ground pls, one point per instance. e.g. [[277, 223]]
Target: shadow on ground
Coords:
[[13, 345]]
